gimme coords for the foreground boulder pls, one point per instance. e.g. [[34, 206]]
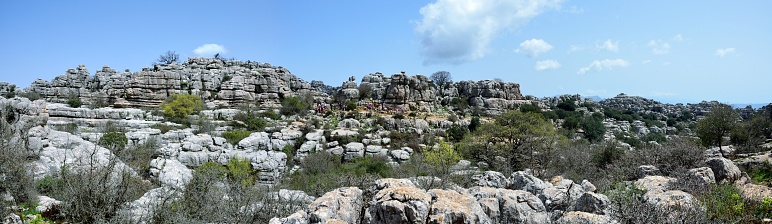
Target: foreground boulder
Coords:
[[342, 204]]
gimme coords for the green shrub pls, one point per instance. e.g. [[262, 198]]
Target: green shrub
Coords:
[[113, 141], [530, 108], [441, 158], [398, 116], [351, 105], [294, 106], [74, 102], [593, 128], [240, 171], [181, 105], [607, 154], [456, 132], [234, 137], [474, 123]]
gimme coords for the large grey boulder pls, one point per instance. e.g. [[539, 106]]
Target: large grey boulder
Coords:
[[398, 201], [510, 206], [702, 177], [451, 207], [584, 218], [170, 172], [593, 203], [646, 170], [491, 179], [344, 204], [724, 170]]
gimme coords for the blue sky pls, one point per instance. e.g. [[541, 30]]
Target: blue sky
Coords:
[[673, 51]]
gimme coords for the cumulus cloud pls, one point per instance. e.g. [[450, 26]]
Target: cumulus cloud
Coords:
[[606, 64], [646, 61], [534, 47], [721, 52], [609, 46], [456, 31], [659, 46], [547, 65], [209, 50]]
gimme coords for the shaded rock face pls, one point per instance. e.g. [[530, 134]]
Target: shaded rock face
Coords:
[[226, 83], [402, 91]]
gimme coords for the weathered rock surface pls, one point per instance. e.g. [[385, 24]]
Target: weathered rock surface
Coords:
[[343, 204], [724, 170]]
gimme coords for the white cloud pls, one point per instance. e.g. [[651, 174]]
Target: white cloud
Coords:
[[533, 47], [456, 31], [678, 38], [721, 52], [210, 50], [659, 46], [609, 46], [646, 61], [606, 64], [547, 65], [575, 48]]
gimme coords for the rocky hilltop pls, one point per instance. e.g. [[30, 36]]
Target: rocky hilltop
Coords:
[[229, 83]]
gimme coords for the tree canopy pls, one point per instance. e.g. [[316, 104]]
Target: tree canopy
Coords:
[[441, 78], [513, 136], [717, 123]]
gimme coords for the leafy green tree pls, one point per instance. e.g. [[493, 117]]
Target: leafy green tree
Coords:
[[514, 136], [593, 127], [717, 123], [182, 105], [441, 158]]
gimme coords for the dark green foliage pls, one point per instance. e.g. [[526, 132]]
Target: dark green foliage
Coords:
[[593, 128], [74, 102], [114, 141], [718, 122], [322, 172], [751, 133], [226, 78], [456, 132], [607, 154], [567, 105], [671, 122], [572, 121], [474, 123], [530, 108], [398, 116], [234, 137], [294, 106], [351, 105], [654, 136], [459, 104], [619, 115]]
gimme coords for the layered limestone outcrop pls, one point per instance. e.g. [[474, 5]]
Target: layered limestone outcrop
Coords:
[[223, 82]]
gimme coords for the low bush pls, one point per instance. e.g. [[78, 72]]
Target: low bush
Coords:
[[115, 141], [234, 137]]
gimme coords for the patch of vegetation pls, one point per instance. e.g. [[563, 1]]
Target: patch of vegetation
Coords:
[[115, 141], [179, 106], [234, 137], [74, 102], [294, 106]]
